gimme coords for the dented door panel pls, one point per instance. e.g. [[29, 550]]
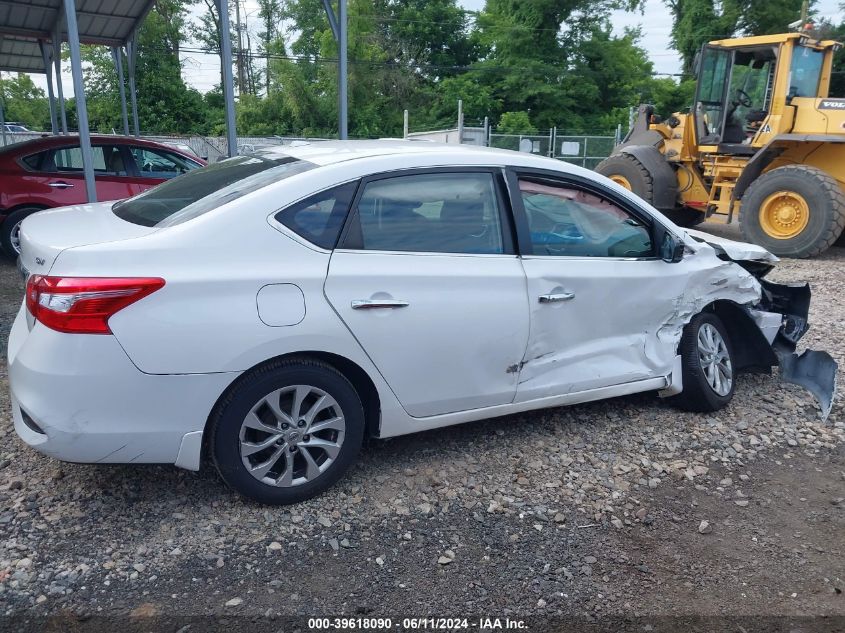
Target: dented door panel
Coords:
[[625, 320]]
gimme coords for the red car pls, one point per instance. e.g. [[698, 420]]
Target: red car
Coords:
[[47, 173]]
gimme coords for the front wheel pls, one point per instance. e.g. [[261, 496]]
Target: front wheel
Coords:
[[709, 371], [287, 431]]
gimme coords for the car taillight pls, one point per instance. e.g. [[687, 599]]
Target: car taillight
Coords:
[[84, 305]]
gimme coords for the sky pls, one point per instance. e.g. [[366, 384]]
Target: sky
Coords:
[[202, 71]]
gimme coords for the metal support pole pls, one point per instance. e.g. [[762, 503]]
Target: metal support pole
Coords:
[[81, 105], [228, 87], [60, 91], [2, 120], [486, 131], [460, 120], [131, 57], [343, 101], [405, 125], [48, 72], [117, 57]]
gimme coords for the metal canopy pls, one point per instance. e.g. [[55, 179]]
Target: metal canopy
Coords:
[[27, 26], [106, 22], [18, 54]]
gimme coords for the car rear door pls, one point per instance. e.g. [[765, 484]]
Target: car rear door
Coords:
[[597, 290], [62, 171], [427, 280]]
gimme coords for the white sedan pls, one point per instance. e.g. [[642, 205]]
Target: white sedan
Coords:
[[269, 311]]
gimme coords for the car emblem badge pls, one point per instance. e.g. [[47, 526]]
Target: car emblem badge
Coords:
[[39, 261]]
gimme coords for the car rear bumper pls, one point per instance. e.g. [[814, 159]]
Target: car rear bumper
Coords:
[[79, 398]]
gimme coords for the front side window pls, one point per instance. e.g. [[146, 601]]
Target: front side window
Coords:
[[320, 217], [201, 190], [571, 222], [437, 213], [152, 163], [710, 99]]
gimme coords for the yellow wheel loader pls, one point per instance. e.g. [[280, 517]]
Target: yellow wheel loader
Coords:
[[763, 140]]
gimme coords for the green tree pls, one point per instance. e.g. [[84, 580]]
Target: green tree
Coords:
[[24, 102], [165, 103], [696, 22], [515, 123]]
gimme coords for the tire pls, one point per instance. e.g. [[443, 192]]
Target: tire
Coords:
[[626, 168], [825, 210], [8, 239], [698, 393], [234, 445], [627, 171]]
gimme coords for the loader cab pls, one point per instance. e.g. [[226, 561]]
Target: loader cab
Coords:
[[734, 96]]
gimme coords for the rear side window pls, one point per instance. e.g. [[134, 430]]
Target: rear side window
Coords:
[[437, 213], [320, 217], [108, 159], [201, 190], [35, 162]]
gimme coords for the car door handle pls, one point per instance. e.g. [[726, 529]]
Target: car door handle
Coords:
[[557, 298], [370, 304], [60, 185]]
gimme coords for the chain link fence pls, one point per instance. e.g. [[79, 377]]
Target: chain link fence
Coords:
[[586, 149]]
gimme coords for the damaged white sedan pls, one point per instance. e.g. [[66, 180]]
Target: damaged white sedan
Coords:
[[270, 311]]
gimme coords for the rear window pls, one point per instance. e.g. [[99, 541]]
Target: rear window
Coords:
[[201, 190]]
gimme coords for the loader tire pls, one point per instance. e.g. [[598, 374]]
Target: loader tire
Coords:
[[628, 172], [793, 211]]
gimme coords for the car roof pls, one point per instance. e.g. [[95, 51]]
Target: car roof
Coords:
[[324, 153], [48, 141]]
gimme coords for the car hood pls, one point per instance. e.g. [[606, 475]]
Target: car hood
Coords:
[[47, 233], [737, 251]]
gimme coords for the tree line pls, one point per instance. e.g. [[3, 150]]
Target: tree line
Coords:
[[525, 64]]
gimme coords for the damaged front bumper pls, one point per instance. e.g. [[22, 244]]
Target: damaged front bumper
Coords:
[[814, 370]]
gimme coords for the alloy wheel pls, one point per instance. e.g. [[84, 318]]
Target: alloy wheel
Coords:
[[292, 435], [714, 359], [15, 237]]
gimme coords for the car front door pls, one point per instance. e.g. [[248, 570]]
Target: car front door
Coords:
[[598, 292], [151, 166], [427, 280]]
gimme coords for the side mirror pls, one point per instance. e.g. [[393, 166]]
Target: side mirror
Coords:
[[671, 249]]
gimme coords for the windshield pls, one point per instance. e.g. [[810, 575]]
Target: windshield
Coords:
[[201, 190], [806, 71]]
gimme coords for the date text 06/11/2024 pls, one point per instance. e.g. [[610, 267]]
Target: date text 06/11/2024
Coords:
[[417, 624]]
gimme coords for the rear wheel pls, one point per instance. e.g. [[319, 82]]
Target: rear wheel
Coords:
[[10, 230], [628, 172], [287, 431], [708, 369], [793, 211]]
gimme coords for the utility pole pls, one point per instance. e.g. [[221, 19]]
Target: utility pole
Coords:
[[240, 57]]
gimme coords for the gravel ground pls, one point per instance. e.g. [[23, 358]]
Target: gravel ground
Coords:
[[618, 509]]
